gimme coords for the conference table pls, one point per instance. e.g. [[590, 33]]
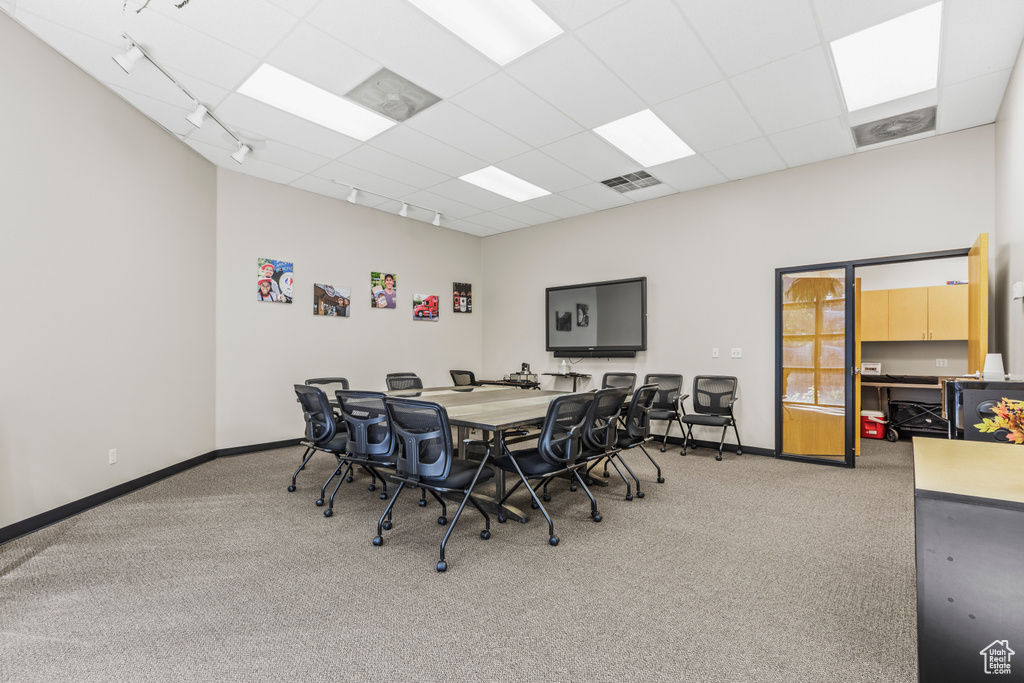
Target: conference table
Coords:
[[491, 409]]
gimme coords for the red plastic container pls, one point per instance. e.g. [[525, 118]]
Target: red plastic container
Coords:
[[872, 424]]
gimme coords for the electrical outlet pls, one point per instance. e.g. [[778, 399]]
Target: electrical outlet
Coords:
[[941, 362], [714, 352], [112, 456], [737, 353]]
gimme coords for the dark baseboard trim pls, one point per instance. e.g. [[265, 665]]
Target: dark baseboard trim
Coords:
[[45, 519], [713, 445]]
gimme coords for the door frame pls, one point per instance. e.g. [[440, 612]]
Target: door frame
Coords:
[[850, 343]]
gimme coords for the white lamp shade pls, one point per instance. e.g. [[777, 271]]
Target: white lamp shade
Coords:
[[993, 367], [243, 151], [128, 60], [437, 218], [196, 117]]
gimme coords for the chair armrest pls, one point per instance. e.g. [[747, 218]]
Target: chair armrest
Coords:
[[682, 408]]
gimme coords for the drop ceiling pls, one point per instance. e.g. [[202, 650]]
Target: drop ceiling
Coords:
[[749, 85]]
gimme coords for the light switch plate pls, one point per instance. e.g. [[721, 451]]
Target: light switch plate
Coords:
[[737, 353], [714, 352]]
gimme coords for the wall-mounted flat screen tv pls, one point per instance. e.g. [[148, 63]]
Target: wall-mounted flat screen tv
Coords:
[[597, 319]]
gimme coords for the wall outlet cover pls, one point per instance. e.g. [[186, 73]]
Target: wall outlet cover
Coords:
[[737, 353]]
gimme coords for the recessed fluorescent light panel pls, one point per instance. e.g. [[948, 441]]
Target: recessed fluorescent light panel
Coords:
[[890, 60], [645, 138], [505, 184], [295, 96], [501, 29]]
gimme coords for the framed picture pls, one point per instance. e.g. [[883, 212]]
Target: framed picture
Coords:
[[462, 297], [331, 301], [275, 280], [383, 290], [563, 321], [582, 315], [425, 307]]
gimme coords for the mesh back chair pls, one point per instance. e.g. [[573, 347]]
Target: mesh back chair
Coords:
[[637, 429], [601, 434], [463, 378], [558, 451], [426, 460], [330, 385], [322, 433], [403, 380], [713, 399], [619, 380], [668, 403], [370, 446]]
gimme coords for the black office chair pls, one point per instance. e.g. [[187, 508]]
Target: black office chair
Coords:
[[370, 444], [637, 430], [601, 436], [713, 399], [403, 380], [558, 450], [427, 461], [463, 378], [322, 432], [668, 403], [615, 380]]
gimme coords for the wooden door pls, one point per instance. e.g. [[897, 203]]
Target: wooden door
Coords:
[[947, 312], [977, 304], [873, 313], [858, 321], [908, 314]]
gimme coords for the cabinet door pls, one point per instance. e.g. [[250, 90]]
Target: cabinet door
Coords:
[[947, 312], [908, 314], [874, 315]]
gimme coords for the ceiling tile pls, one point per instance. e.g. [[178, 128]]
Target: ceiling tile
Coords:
[[744, 35], [386, 164], [710, 118], [840, 18], [650, 192], [575, 13], [297, 7], [169, 116], [496, 222], [464, 192], [404, 40], [463, 225], [364, 180], [435, 202], [591, 156], [543, 171], [524, 214], [645, 42], [507, 104], [312, 55], [971, 103], [558, 205], [746, 159], [253, 166], [981, 37], [426, 151], [596, 197], [815, 142], [568, 76], [687, 174], [472, 135], [791, 92]]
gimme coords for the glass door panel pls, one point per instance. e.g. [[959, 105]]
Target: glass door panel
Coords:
[[813, 363]]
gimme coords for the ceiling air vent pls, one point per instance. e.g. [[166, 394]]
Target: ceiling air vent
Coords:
[[388, 93], [631, 181], [895, 127]]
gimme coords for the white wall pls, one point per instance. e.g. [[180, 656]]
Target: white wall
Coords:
[[265, 348], [107, 238], [710, 256], [1008, 244]]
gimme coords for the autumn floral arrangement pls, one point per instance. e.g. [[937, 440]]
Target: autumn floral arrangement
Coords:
[[1009, 415]]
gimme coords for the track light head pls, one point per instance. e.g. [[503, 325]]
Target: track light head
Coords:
[[128, 60], [437, 218], [243, 151], [352, 196], [404, 211], [196, 117]]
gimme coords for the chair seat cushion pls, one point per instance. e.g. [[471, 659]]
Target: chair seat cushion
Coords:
[[626, 441], [461, 475], [336, 445], [529, 461], [373, 460], [711, 420], [663, 414]]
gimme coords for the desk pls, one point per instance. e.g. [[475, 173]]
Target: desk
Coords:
[[968, 516], [522, 384], [573, 375]]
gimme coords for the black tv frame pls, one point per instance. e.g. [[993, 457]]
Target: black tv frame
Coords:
[[615, 351]]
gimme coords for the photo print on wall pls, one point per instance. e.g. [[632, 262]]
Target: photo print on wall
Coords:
[[383, 290], [582, 315], [275, 280], [328, 300], [462, 299], [563, 321], [425, 307]]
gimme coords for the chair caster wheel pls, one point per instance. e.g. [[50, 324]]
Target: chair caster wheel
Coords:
[[328, 512], [348, 479], [387, 525], [371, 487], [553, 540], [291, 488], [442, 566], [596, 516], [662, 449], [547, 498], [533, 504], [485, 534], [718, 457], [501, 520], [606, 475], [661, 480], [629, 497], [320, 502], [422, 503], [639, 494], [442, 520], [377, 540], [739, 452], [383, 496]]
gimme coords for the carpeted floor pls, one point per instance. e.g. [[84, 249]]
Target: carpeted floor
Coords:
[[749, 569]]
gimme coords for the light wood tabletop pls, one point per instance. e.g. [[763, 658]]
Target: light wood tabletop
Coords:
[[969, 468]]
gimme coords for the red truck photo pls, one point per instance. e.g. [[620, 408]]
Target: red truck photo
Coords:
[[427, 308]]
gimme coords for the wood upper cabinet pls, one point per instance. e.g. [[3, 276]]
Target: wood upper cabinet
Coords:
[[915, 314], [874, 315]]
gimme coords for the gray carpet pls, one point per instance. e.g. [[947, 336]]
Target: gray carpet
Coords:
[[749, 569]]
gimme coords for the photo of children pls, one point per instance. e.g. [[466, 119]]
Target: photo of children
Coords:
[[275, 280], [383, 290], [333, 301], [424, 307]]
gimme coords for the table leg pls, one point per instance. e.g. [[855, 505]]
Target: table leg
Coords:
[[491, 504]]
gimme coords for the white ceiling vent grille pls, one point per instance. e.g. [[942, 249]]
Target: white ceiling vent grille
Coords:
[[389, 94], [631, 181], [895, 127]]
